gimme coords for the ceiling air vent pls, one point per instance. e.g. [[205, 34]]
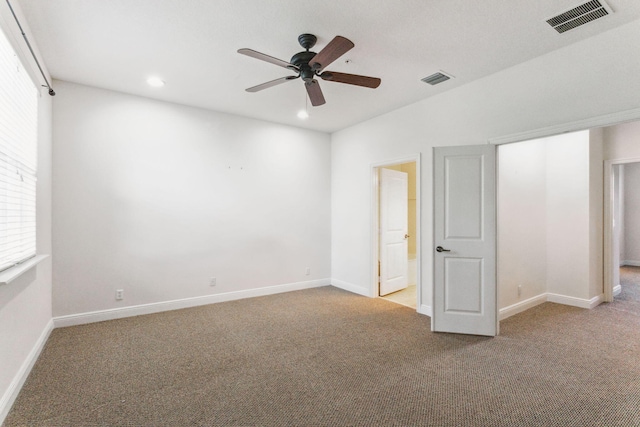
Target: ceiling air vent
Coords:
[[580, 15], [436, 78]]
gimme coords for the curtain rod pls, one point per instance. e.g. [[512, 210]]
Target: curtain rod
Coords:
[[51, 91]]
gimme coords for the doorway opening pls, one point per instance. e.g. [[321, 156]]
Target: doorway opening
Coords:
[[623, 224], [396, 231], [615, 146], [548, 212]]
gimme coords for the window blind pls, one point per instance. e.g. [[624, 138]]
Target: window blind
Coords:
[[18, 158]]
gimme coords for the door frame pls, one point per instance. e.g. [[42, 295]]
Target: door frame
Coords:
[[375, 224], [608, 223]]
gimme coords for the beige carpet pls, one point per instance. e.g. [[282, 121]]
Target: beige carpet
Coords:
[[325, 357]]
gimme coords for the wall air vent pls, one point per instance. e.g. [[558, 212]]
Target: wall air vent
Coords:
[[436, 78], [580, 15]]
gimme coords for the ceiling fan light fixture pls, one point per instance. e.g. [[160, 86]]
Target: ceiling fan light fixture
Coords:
[[155, 82], [303, 115]]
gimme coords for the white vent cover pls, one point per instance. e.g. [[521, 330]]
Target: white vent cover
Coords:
[[580, 15], [436, 78]]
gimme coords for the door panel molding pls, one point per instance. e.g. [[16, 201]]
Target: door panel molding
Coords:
[[454, 181], [463, 285]]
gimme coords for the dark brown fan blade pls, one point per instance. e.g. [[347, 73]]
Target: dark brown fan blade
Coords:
[[315, 93], [351, 79], [271, 83], [334, 50], [261, 56]]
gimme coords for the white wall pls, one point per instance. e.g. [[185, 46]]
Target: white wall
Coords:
[[157, 198], [622, 141], [550, 218], [25, 303], [632, 214], [568, 215], [522, 221], [550, 90]]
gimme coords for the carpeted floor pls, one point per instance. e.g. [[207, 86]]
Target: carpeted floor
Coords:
[[325, 357]]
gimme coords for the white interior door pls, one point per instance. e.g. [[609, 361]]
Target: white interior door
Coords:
[[393, 231], [464, 297]]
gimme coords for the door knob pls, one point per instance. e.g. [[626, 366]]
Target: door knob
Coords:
[[441, 249], [406, 236]]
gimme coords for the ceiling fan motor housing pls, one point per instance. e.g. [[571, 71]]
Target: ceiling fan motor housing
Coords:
[[301, 60]]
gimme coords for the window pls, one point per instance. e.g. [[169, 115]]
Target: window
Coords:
[[18, 158]]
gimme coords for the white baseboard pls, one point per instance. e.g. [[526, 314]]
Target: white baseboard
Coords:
[[521, 306], [575, 302], [351, 287], [21, 376], [616, 290], [596, 301], [137, 310], [630, 263], [425, 309]]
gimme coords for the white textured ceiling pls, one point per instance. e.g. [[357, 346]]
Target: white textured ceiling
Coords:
[[192, 44]]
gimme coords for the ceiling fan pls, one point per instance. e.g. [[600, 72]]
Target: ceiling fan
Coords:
[[309, 65]]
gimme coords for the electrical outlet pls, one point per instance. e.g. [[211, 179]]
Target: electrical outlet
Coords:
[[307, 271], [119, 294], [212, 281]]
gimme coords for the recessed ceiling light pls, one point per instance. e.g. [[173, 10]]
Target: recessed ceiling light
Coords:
[[155, 81], [303, 115]]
